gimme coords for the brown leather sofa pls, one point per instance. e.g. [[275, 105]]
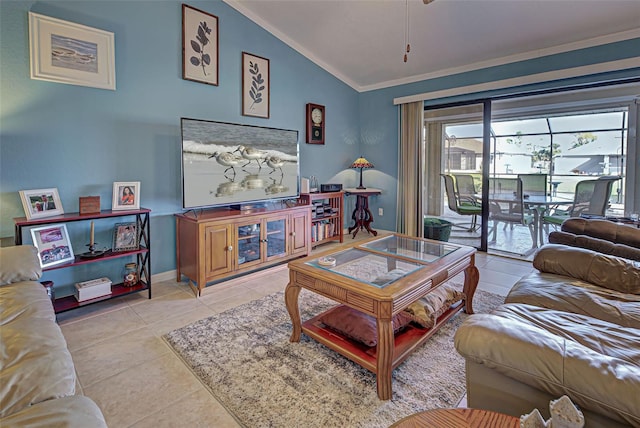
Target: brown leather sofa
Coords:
[[37, 375], [602, 236], [572, 328]]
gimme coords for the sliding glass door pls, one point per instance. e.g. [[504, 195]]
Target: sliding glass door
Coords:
[[454, 152], [494, 170]]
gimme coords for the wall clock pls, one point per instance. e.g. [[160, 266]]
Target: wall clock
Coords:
[[315, 124]]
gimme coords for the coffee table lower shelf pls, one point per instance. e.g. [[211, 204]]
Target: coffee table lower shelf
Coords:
[[405, 342]]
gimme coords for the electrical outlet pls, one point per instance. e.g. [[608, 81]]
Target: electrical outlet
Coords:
[[380, 212]]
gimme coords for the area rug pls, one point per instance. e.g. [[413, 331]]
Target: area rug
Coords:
[[244, 357]]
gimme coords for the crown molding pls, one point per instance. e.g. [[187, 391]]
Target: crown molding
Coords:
[[237, 5], [538, 53]]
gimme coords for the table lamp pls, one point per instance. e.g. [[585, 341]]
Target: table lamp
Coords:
[[361, 163]]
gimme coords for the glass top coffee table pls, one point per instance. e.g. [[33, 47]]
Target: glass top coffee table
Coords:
[[380, 277]]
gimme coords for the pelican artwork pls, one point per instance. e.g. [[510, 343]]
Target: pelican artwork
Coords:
[[250, 154], [274, 163], [226, 159]]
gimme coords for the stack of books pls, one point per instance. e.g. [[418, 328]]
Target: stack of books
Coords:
[[92, 289]]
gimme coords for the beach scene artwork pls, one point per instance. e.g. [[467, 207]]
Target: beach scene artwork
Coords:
[[74, 54], [225, 163]]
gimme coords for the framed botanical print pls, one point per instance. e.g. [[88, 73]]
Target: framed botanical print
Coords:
[[199, 46], [40, 203], [126, 195], [255, 86]]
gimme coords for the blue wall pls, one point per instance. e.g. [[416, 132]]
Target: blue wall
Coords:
[[80, 139]]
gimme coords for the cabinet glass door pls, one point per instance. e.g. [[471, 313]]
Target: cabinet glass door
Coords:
[[276, 243], [248, 243]]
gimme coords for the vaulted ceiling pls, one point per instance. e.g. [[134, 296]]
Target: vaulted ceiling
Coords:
[[362, 42]]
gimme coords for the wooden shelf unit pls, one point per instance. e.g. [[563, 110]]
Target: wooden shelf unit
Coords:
[[142, 254], [216, 244], [326, 227]]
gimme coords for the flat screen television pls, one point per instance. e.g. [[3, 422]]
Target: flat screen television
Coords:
[[232, 164]]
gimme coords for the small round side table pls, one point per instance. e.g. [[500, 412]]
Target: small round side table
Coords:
[[458, 418]]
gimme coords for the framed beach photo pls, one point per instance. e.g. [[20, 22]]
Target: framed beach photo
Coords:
[[126, 195], [199, 46], [40, 203], [53, 245], [125, 236], [66, 52], [255, 86]]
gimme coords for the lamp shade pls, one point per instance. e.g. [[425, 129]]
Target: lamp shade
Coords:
[[361, 162]]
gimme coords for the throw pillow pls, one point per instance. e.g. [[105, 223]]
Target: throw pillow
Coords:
[[425, 312], [359, 326], [19, 263]]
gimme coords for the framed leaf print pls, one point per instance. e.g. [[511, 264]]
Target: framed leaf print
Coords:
[[255, 86], [199, 46]]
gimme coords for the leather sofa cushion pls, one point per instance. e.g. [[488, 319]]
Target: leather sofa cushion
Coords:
[[71, 412], [568, 294], [600, 269], [594, 362], [595, 244], [19, 263], [36, 364], [603, 229], [28, 299]]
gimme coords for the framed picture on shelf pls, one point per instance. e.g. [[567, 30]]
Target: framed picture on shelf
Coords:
[[125, 236], [53, 244], [126, 195], [199, 46], [255, 86], [40, 203], [66, 52]]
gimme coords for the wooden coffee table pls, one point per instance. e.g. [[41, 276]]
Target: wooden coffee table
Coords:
[[458, 418], [413, 266]]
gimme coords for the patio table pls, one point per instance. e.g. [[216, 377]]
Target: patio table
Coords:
[[538, 204]]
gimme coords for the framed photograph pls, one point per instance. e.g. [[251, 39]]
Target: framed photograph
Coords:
[[126, 195], [255, 86], [199, 46], [53, 244], [66, 52], [125, 236], [39, 203]]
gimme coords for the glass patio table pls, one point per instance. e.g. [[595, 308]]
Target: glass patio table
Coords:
[[538, 204], [379, 277]]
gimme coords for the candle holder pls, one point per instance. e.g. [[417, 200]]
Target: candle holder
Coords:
[[92, 253]]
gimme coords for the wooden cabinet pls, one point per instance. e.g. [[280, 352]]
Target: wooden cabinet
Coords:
[[142, 254], [218, 251], [326, 216], [216, 244]]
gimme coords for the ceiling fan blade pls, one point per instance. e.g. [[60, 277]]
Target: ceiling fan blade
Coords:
[[428, 1]]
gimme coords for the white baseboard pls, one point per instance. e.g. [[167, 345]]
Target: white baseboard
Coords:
[[164, 276]]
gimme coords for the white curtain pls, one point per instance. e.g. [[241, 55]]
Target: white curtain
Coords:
[[410, 170]]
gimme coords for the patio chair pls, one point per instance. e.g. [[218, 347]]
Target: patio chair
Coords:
[[534, 184], [466, 207], [506, 204], [591, 198], [465, 188]]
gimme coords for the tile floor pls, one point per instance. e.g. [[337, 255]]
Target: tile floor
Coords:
[[123, 364]]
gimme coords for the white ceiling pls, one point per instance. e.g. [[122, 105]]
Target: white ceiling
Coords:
[[362, 42]]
